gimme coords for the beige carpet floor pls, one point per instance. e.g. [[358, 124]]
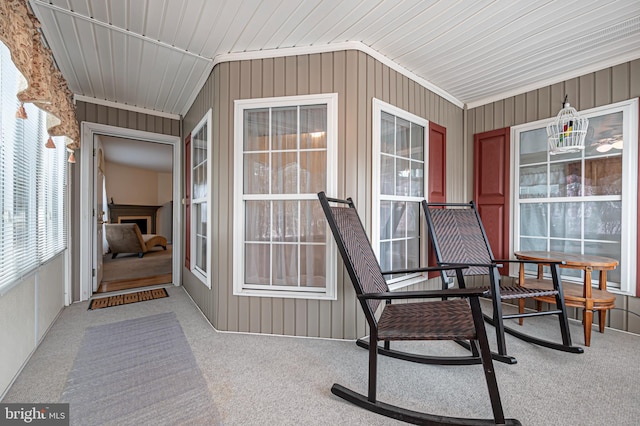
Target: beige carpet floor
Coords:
[[130, 266]]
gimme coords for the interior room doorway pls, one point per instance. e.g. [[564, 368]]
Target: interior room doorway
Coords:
[[133, 183], [130, 191]]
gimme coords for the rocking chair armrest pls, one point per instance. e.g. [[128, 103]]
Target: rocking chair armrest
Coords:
[[426, 294], [428, 269], [535, 262]]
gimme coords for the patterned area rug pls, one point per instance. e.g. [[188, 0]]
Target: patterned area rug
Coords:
[[125, 299], [138, 372]]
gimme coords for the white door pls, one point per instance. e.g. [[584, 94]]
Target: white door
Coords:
[[100, 217]]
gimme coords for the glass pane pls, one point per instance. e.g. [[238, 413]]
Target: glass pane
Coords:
[[603, 220], [385, 220], [399, 255], [403, 171], [413, 253], [604, 135], [201, 218], [412, 219], [566, 246], [385, 256], [387, 175], [417, 142], [201, 253], [533, 220], [566, 220], [285, 264], [417, 179], [533, 146], [533, 182], [313, 266], [200, 181], [256, 173], [256, 129], [256, 271], [387, 133], [403, 138], [313, 171], [313, 222], [398, 220], [313, 126], [612, 250], [533, 244], [199, 152], [284, 173], [565, 179], [284, 128], [285, 221], [201, 235], [257, 220], [603, 176]]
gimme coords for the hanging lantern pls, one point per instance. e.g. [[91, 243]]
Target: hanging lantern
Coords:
[[566, 134], [72, 158], [50, 143]]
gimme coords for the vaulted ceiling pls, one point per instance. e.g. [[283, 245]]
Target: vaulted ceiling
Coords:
[[157, 54]]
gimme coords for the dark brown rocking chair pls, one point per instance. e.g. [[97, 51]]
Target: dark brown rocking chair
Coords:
[[457, 236], [451, 319]]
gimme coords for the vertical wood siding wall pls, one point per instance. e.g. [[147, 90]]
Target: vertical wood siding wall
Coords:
[[610, 85], [357, 78], [110, 116]]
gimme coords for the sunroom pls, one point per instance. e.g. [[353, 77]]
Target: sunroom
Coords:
[[260, 106]]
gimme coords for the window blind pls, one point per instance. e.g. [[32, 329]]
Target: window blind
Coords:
[[32, 185]]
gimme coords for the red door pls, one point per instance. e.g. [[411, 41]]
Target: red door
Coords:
[[437, 163], [437, 191], [491, 187]]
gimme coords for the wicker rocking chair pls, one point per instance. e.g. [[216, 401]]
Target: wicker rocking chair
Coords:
[[457, 236], [451, 319]]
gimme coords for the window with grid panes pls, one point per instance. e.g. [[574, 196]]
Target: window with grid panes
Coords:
[[583, 202], [399, 182], [285, 155]]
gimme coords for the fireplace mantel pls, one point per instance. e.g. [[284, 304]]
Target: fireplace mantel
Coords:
[[117, 210]]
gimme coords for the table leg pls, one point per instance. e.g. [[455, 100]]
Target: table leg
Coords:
[[588, 321], [602, 314], [588, 307], [602, 319]]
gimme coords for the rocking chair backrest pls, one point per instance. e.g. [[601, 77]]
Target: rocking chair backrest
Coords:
[[458, 236], [357, 254]]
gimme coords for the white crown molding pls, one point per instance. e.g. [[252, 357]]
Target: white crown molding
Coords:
[[126, 107], [329, 47]]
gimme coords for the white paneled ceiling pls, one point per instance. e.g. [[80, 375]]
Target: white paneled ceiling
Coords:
[[157, 54], [152, 156]]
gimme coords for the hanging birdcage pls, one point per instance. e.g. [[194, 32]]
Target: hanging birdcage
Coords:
[[566, 134]]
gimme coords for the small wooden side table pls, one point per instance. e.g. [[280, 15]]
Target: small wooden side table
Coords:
[[575, 295]]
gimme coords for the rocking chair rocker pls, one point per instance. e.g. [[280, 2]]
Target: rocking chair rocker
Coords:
[[459, 318], [457, 236]]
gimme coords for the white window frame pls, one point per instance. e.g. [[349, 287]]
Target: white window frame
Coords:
[[378, 107], [629, 197], [239, 287], [203, 276]]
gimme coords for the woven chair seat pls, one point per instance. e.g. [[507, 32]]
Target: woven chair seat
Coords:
[[517, 292], [437, 320]]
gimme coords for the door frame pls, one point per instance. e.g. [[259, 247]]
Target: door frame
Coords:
[[87, 198]]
